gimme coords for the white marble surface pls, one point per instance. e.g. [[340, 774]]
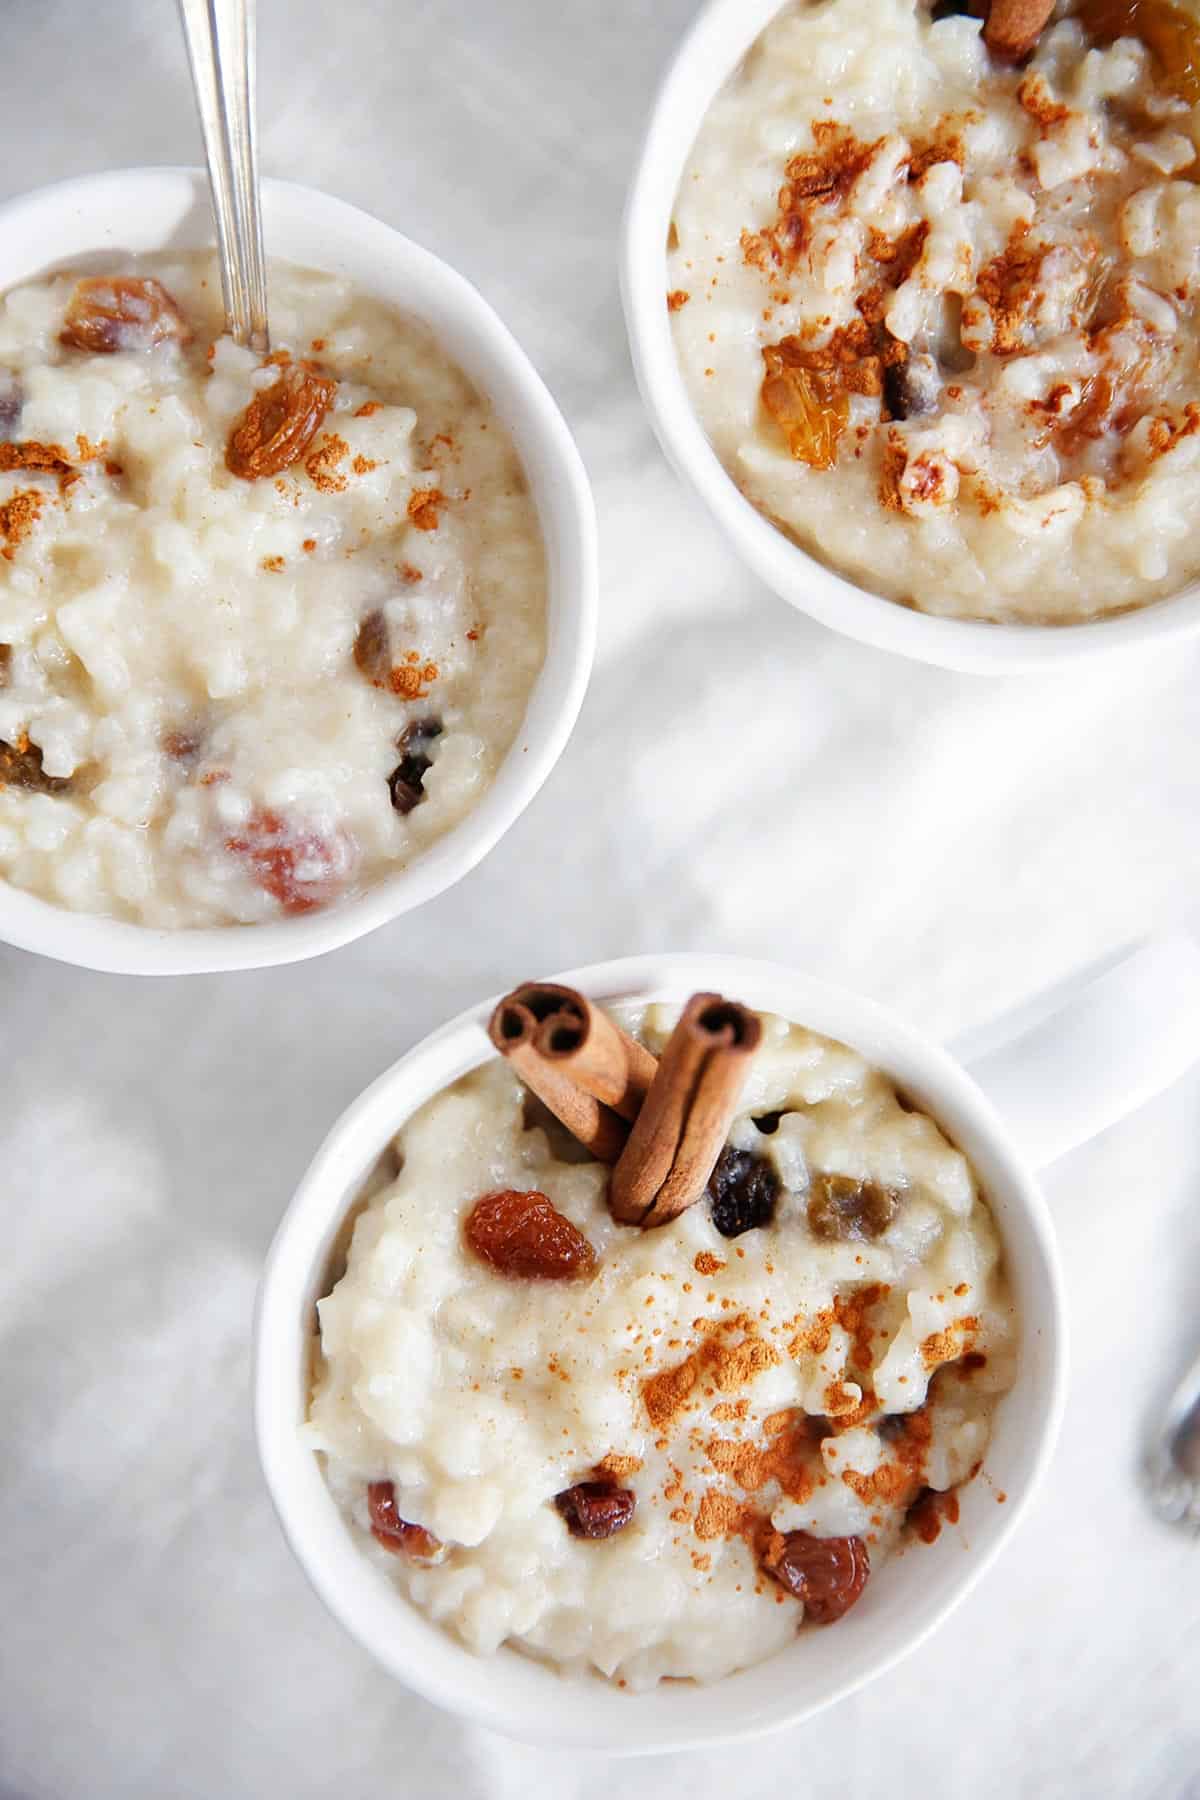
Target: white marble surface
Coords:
[[740, 780]]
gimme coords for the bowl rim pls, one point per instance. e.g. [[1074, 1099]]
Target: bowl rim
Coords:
[[708, 54], [586, 1712], [568, 520]]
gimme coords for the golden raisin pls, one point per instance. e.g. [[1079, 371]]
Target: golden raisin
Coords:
[[826, 1574], [122, 312], [1170, 34], [525, 1234], [809, 406], [279, 424], [373, 650], [395, 1533], [842, 1208], [295, 864]]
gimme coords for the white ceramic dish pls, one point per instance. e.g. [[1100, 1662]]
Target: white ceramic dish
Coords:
[[722, 34], [1059, 1082], [142, 210]]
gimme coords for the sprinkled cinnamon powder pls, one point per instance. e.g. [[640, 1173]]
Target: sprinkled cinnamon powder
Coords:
[[618, 1466], [944, 1346], [787, 1457], [367, 408], [321, 465], [18, 516], [424, 506], [708, 1264], [727, 1366]]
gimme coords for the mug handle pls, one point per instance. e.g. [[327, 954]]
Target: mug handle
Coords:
[[1074, 1061]]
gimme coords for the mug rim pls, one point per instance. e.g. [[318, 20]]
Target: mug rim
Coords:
[[105, 204], [588, 1712], [708, 54]]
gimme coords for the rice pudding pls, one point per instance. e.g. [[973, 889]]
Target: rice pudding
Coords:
[[267, 629], [934, 298], [656, 1453]]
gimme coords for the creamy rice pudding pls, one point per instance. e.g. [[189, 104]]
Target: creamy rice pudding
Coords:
[[266, 629], [934, 296], [658, 1452]]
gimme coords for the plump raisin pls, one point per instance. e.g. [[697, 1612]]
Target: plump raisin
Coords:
[[826, 1574], [843, 1208], [596, 1509], [279, 424], [742, 1192], [373, 649], [21, 767], [395, 1533], [407, 780], [297, 865], [809, 406], [525, 1234], [121, 312], [913, 387]]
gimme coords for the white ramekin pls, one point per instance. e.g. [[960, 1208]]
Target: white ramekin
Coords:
[[718, 40], [1115, 1041], [141, 210]]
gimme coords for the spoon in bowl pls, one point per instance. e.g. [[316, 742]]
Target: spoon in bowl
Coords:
[[220, 41]]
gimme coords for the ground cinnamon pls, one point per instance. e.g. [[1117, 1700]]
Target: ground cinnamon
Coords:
[[678, 1134]]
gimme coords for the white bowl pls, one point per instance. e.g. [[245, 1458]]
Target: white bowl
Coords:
[[143, 210], [710, 53], [1108, 1069]]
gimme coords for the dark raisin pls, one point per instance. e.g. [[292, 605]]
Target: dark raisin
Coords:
[[11, 401], [742, 1190], [768, 1123], [596, 1509], [955, 9], [407, 779], [912, 388], [21, 767], [826, 1574], [842, 1208]]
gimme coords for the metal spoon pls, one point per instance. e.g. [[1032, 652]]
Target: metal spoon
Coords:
[[220, 41], [1173, 1471]]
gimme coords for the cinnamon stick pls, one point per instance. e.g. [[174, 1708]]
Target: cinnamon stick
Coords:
[[514, 1028], [681, 1128], [1014, 26], [590, 1048]]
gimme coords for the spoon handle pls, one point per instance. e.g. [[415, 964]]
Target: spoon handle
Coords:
[[1174, 1467], [220, 41]]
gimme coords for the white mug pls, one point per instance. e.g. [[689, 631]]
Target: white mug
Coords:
[[1076, 1065], [99, 218], [718, 39]]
